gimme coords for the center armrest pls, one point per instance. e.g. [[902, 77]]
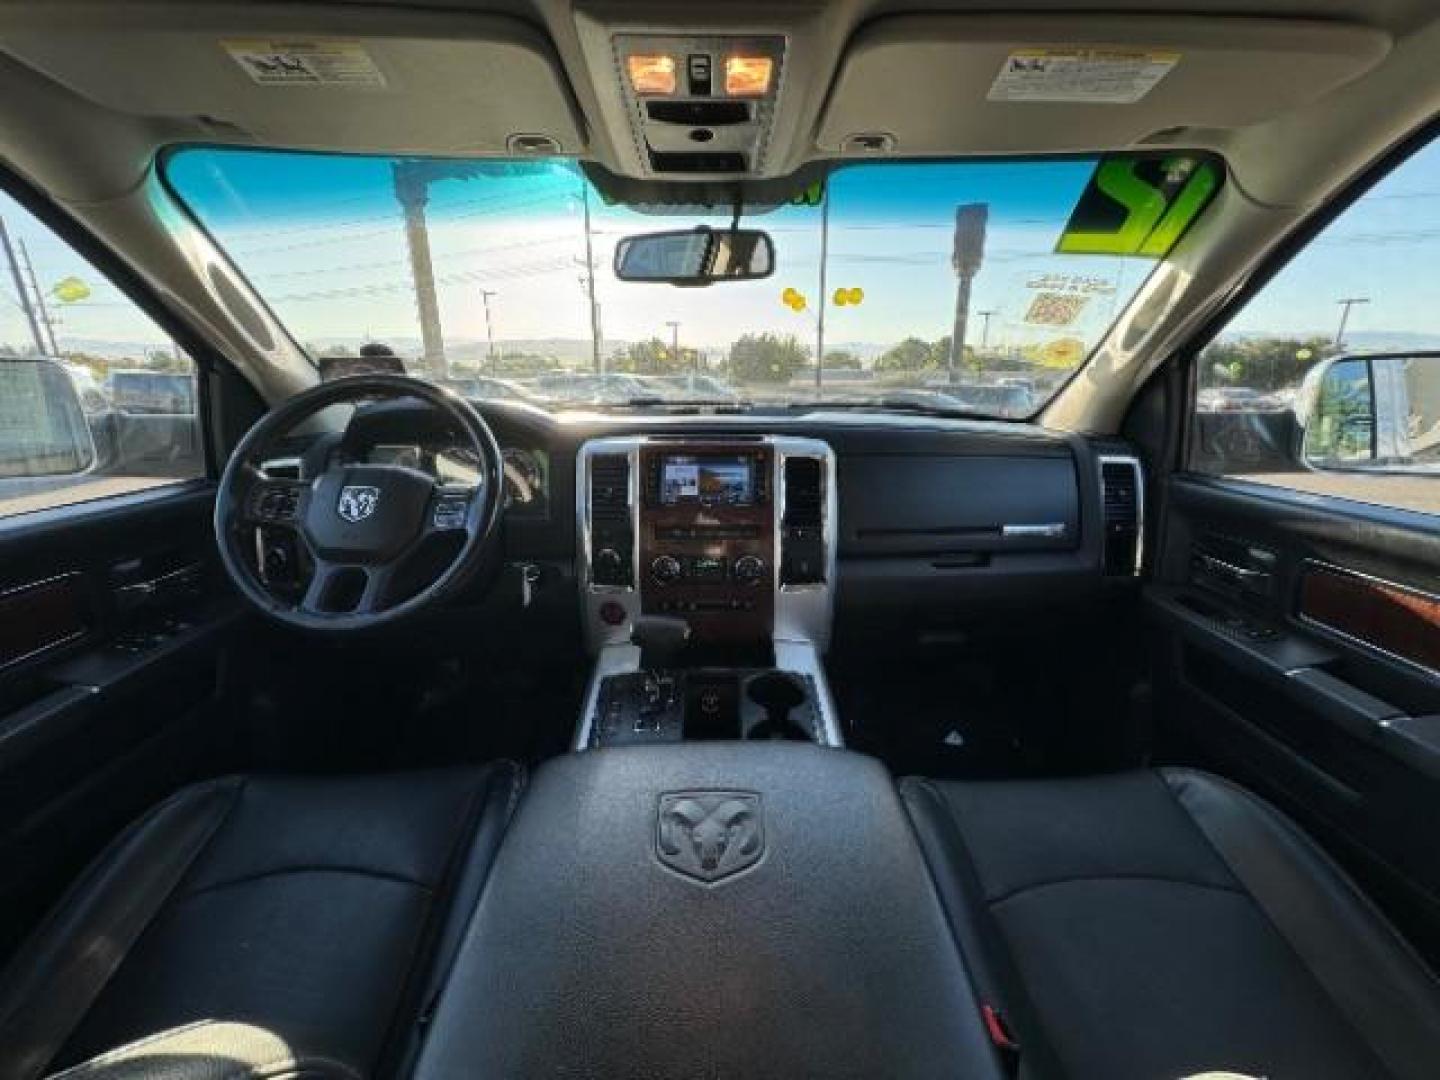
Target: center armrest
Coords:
[[709, 910]]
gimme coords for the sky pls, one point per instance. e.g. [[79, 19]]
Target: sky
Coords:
[[322, 239]]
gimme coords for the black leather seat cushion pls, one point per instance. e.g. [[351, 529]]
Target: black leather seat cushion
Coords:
[[1163, 924], [316, 912]]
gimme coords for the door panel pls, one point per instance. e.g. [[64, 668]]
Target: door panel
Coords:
[[114, 628], [1294, 648]]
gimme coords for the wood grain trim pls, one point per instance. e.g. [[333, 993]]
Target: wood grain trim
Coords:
[[1400, 621]]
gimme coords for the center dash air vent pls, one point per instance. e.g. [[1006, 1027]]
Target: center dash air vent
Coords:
[[802, 533], [612, 539], [1121, 493]]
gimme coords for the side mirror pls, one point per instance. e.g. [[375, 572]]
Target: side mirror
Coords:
[[43, 430], [695, 256], [1372, 412]]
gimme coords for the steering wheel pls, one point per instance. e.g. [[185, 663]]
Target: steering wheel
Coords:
[[359, 525]]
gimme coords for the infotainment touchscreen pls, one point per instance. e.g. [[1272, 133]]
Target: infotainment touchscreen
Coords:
[[724, 480]]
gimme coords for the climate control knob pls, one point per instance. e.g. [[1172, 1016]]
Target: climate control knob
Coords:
[[666, 570], [749, 570]]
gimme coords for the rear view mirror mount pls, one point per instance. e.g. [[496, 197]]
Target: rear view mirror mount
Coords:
[[695, 257]]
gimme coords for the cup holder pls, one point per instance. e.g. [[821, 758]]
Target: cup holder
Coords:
[[779, 695]]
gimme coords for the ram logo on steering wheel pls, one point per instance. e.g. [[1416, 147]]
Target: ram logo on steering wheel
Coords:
[[357, 502]]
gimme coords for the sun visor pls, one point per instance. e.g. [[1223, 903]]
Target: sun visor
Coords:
[[963, 84], [313, 78]]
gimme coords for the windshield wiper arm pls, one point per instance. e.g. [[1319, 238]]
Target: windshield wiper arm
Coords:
[[674, 404]]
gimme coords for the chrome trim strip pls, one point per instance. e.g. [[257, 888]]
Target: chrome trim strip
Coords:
[[802, 658], [1049, 530], [804, 613], [1101, 460], [613, 660], [1326, 628], [597, 632]]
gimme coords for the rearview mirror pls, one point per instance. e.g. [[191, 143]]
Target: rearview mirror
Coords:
[[43, 430], [695, 256], [1372, 412]]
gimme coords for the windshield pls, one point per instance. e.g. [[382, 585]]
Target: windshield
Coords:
[[497, 277]]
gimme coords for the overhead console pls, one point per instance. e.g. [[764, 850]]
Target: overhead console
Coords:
[[699, 106]]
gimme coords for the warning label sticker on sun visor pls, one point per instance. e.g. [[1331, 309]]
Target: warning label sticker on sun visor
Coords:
[[1082, 76], [306, 63]]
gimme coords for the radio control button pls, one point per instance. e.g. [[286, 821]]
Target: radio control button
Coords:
[[666, 569], [749, 569]]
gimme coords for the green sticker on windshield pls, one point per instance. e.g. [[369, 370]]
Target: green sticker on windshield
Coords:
[[1139, 205]]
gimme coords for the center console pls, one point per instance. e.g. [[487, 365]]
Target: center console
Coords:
[[709, 910], [732, 539]]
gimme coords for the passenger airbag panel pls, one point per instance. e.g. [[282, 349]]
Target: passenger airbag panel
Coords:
[[938, 505]]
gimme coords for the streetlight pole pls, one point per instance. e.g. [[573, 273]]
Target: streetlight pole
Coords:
[[823, 299], [984, 338], [674, 343], [1346, 303], [485, 295], [985, 326]]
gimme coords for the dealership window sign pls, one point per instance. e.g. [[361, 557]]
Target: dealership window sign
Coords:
[[1139, 206]]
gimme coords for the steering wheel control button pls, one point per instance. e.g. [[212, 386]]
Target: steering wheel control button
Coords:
[[278, 504], [450, 513]]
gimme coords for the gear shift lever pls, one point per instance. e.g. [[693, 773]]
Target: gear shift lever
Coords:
[[661, 639]]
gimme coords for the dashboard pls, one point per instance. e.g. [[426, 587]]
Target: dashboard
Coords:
[[908, 525]]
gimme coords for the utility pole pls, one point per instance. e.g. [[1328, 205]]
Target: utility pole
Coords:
[[590, 276], [20, 289], [674, 343], [1346, 303], [485, 295], [40, 300]]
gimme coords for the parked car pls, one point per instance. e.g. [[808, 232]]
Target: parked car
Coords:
[[706, 387], [142, 392]]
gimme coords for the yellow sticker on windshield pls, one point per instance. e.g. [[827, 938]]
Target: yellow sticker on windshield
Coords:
[[1139, 205]]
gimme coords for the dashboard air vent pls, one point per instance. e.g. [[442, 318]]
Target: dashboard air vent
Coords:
[[802, 538], [1121, 493], [611, 536]]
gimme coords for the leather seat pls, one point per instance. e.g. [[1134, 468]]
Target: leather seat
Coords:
[[275, 926], [1166, 924]]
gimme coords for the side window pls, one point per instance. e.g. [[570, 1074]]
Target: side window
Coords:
[[1328, 381], [95, 400]]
